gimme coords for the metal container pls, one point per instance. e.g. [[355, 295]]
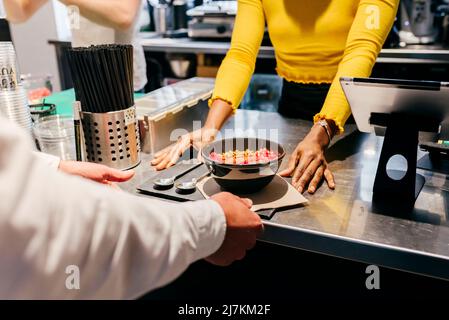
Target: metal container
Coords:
[[171, 111], [112, 138], [213, 19], [163, 19]]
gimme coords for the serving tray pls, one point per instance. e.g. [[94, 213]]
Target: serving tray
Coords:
[[264, 212]]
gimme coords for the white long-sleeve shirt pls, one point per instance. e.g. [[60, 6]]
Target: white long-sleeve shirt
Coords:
[[122, 245]]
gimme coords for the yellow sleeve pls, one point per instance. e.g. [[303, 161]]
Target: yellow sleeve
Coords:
[[372, 24], [237, 67]]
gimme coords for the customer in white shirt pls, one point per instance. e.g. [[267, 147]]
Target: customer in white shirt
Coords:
[[101, 22], [122, 245]]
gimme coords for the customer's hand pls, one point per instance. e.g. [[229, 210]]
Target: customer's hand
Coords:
[[170, 155], [96, 172], [243, 227], [307, 164]]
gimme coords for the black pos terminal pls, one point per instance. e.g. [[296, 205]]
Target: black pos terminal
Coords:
[[403, 108]]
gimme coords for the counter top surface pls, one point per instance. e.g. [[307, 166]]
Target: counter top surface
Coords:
[[412, 54], [153, 42], [342, 222]]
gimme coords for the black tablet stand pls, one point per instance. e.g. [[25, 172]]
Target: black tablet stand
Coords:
[[401, 138]]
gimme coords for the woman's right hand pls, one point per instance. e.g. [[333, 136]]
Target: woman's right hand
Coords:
[[170, 155], [218, 114]]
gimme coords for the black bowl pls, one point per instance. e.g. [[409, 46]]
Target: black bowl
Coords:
[[243, 178]]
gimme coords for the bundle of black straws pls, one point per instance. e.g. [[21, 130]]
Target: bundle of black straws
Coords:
[[103, 77]]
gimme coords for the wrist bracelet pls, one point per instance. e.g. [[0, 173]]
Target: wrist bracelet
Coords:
[[325, 125]]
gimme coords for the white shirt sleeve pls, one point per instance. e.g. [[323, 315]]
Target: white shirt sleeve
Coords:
[[51, 160], [122, 245]]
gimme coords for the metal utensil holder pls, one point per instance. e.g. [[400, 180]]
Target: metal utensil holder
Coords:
[[112, 138]]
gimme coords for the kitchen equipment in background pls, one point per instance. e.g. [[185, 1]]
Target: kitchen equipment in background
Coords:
[[417, 22], [9, 69], [181, 64], [38, 87], [103, 80], [443, 11], [14, 106], [242, 178], [166, 113], [180, 67], [212, 20], [168, 18], [392, 40], [163, 17], [264, 92], [150, 8], [55, 135], [179, 14]]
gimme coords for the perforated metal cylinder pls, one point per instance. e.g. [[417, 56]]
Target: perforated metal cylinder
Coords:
[[112, 138]]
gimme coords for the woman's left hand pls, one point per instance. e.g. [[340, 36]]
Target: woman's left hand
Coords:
[[307, 164]]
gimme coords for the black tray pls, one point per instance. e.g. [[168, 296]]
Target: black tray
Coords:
[[172, 194]]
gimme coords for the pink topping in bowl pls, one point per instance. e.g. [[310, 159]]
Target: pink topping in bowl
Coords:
[[262, 155]]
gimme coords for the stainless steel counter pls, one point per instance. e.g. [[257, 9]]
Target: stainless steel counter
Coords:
[[153, 43], [342, 223], [185, 45]]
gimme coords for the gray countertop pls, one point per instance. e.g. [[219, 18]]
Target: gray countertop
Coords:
[[342, 223], [415, 54], [152, 42]]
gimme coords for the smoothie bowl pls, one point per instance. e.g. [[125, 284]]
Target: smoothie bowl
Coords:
[[243, 165]]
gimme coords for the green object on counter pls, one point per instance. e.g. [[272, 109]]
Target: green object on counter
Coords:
[[64, 101]]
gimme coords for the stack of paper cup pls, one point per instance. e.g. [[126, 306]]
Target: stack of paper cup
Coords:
[[13, 96]]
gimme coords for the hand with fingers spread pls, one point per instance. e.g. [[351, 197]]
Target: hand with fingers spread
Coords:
[[170, 155], [307, 164], [219, 112], [242, 228], [96, 172]]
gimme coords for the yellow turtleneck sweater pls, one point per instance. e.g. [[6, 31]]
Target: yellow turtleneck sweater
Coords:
[[315, 41]]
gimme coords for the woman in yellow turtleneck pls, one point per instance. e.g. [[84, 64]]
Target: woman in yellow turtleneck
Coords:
[[316, 42]]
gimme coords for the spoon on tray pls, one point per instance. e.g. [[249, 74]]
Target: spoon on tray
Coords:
[[189, 186], [182, 168], [165, 182]]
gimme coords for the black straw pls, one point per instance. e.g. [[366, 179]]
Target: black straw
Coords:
[[103, 77]]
